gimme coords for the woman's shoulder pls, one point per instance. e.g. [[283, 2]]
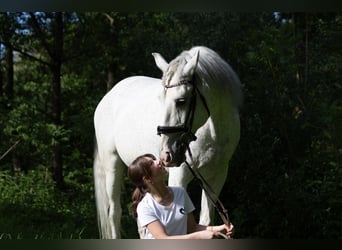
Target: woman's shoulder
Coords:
[[146, 200]]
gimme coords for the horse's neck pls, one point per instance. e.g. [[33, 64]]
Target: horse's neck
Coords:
[[222, 112]]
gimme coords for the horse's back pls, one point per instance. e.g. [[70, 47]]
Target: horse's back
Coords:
[[125, 119], [125, 90]]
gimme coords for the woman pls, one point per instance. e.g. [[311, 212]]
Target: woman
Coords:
[[165, 212]]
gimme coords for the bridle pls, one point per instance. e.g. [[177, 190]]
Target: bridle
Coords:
[[187, 125], [188, 136]]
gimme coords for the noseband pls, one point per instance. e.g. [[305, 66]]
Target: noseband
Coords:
[[186, 127]]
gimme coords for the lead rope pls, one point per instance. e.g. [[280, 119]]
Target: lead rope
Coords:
[[222, 211]]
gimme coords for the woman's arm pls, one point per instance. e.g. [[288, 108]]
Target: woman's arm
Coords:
[[158, 232], [195, 231], [194, 227]]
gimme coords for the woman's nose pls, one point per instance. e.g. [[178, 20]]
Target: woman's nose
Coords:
[[159, 163]]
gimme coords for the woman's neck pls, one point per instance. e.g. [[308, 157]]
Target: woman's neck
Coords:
[[162, 194]]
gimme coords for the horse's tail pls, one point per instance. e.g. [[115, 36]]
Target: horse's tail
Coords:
[[101, 197]]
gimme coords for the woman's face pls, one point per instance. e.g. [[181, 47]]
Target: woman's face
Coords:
[[157, 168]]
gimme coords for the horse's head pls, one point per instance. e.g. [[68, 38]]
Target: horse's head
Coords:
[[179, 100]]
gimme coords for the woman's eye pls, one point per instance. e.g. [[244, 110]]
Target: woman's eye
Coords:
[[180, 102]]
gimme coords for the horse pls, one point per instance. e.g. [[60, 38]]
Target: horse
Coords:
[[195, 106]]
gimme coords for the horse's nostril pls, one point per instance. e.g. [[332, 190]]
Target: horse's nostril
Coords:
[[168, 157]]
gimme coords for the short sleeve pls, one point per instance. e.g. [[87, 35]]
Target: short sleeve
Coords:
[[146, 215]]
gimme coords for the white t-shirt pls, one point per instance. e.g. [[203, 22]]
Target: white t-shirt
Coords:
[[172, 217]]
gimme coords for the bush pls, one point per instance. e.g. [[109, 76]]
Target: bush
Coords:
[[30, 207]]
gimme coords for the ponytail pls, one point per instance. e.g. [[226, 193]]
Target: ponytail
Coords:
[[140, 167], [137, 196]]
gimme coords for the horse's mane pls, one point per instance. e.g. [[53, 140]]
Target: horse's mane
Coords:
[[212, 69]]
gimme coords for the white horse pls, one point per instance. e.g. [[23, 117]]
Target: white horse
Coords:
[[199, 95]]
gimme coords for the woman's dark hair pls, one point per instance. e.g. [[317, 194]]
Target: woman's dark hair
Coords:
[[140, 167]]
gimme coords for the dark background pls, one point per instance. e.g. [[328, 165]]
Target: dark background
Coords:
[[285, 178]]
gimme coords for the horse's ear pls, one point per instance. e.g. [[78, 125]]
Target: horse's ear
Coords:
[[160, 62], [191, 65]]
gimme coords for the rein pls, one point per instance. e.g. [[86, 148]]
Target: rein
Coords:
[[222, 211]]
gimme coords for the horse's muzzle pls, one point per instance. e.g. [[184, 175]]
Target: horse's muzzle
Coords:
[[172, 160], [175, 155]]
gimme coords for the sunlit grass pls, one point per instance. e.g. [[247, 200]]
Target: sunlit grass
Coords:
[[31, 208]]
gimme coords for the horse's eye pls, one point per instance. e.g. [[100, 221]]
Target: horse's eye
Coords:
[[180, 102]]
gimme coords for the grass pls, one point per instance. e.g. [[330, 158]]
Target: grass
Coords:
[[31, 207]]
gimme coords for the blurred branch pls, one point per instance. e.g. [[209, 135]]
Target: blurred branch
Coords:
[[10, 149]]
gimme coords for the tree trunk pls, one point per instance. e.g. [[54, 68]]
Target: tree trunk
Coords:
[[8, 85], [57, 163], [56, 65], [6, 33], [1, 81], [54, 48], [9, 71], [306, 49], [111, 76], [300, 21]]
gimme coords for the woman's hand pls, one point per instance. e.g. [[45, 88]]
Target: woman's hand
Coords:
[[212, 232], [227, 230]]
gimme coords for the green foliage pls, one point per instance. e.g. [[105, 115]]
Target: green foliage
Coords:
[[285, 177], [31, 208]]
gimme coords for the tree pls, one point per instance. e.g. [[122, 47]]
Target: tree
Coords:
[[6, 35], [48, 29]]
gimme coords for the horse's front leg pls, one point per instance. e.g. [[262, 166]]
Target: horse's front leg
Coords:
[[114, 176], [207, 207]]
